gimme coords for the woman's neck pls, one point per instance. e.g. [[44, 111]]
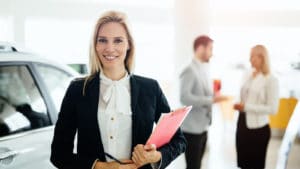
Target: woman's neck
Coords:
[[114, 74], [256, 72]]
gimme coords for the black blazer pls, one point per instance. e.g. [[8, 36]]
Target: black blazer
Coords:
[[79, 114]]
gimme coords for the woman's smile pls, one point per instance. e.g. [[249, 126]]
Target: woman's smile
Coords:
[[110, 57]]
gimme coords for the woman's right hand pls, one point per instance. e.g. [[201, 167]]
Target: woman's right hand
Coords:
[[115, 165], [239, 106]]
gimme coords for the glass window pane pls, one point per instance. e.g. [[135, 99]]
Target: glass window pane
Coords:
[[21, 105], [57, 82]]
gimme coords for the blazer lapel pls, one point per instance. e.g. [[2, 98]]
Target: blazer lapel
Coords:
[[134, 89], [93, 91]]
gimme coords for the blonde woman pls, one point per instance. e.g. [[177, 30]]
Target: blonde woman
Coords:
[[259, 99], [112, 110]]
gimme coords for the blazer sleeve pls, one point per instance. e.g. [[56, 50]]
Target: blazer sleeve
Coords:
[[177, 145], [187, 97], [271, 105], [62, 155]]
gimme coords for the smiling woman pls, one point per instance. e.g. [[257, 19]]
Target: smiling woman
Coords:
[[112, 110], [111, 47]]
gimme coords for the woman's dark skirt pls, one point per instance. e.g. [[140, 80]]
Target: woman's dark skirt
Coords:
[[251, 144]]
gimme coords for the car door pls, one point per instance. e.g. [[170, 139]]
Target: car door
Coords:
[[25, 127]]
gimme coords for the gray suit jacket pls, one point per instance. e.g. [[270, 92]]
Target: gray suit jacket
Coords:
[[196, 91]]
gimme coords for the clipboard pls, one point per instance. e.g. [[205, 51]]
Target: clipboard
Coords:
[[167, 126]]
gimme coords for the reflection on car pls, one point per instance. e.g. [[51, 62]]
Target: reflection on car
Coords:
[[36, 119]]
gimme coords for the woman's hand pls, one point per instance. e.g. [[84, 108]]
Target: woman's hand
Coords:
[[239, 106], [145, 154], [115, 165]]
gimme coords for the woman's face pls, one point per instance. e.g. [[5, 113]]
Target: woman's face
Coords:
[[112, 45], [256, 61]]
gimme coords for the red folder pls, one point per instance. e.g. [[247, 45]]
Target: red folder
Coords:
[[167, 126]]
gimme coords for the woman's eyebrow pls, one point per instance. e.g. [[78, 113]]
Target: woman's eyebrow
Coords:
[[121, 37]]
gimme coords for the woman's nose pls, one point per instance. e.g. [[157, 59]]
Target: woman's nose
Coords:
[[109, 47]]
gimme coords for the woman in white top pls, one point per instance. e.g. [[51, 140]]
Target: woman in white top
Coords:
[[259, 99]]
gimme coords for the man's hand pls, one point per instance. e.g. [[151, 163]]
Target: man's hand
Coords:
[[220, 98], [145, 154]]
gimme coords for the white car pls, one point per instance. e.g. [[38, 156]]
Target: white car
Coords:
[[31, 91]]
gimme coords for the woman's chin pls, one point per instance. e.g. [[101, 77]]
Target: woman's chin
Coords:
[[112, 66]]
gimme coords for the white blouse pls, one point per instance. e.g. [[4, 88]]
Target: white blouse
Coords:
[[260, 97], [114, 117]]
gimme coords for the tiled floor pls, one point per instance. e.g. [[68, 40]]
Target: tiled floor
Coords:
[[220, 152]]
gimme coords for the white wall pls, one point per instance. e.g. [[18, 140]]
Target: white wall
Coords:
[[163, 31]]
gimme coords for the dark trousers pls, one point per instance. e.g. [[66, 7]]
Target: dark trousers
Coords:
[[195, 149]]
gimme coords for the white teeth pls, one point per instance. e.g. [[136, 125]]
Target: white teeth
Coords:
[[110, 57]]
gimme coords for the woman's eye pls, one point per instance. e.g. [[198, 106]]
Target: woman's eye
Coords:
[[118, 41], [102, 40]]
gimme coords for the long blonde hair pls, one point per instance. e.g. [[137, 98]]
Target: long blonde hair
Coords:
[[94, 61], [262, 52]]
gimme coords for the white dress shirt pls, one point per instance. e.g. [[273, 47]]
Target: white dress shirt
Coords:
[[114, 117], [260, 97]]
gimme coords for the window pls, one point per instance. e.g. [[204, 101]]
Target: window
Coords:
[[57, 82], [6, 28], [21, 105]]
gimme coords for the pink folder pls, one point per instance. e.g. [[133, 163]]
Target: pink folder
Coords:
[[167, 126]]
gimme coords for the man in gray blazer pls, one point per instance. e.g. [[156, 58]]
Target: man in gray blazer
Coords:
[[196, 90]]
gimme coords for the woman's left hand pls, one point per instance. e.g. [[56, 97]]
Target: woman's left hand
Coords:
[[239, 106], [145, 154]]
